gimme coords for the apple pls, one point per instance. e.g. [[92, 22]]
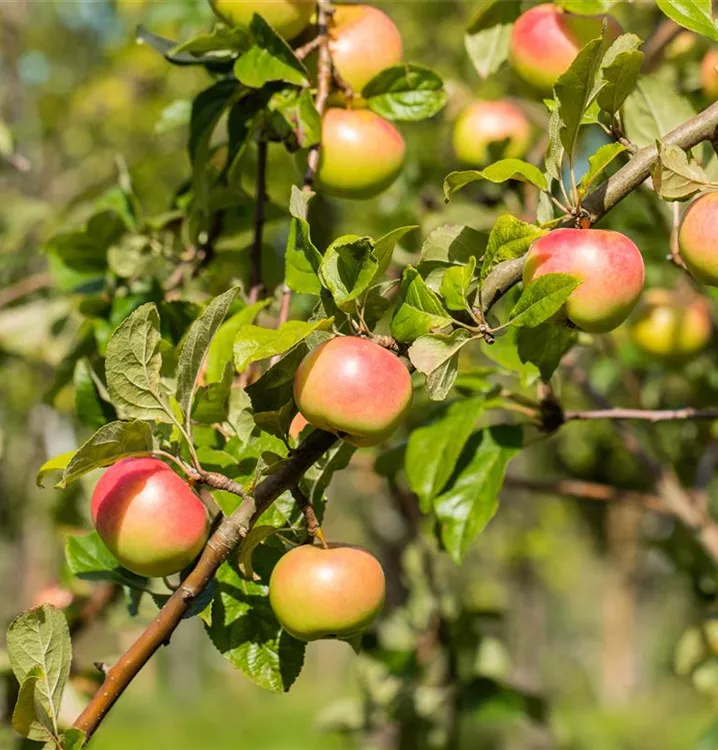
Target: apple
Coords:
[[319, 592], [363, 42], [361, 155], [484, 123], [354, 386], [148, 517], [698, 238], [545, 41], [671, 327], [287, 17], [608, 264], [55, 595], [296, 427], [709, 76]]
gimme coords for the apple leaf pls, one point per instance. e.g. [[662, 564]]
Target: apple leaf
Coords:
[[510, 238], [471, 497], [695, 15], [455, 285], [72, 739], [274, 390], [544, 346], [488, 34], [31, 717], [453, 243], [91, 408], [294, 119], [676, 178], [406, 92], [418, 309], [347, 269], [211, 402], [598, 162], [58, 463], [437, 357], [384, 248], [434, 449], [586, 7], [88, 558], [500, 171], [302, 259], [108, 445], [542, 299], [620, 71]]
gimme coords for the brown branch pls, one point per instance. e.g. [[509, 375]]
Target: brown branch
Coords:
[[257, 284], [314, 528], [306, 49], [645, 415], [702, 127], [24, 287], [221, 544], [656, 44]]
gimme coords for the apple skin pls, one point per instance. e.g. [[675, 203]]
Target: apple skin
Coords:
[[363, 42], [672, 328], [148, 517], [609, 265], [485, 122], [354, 386], [545, 41], [287, 17], [296, 427], [709, 75], [361, 155], [319, 593], [698, 238]]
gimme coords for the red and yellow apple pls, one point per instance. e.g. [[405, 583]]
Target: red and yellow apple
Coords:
[[484, 123], [319, 592], [148, 517], [608, 264], [545, 41], [698, 238], [709, 75], [353, 386], [296, 427], [287, 17], [361, 155], [363, 42], [671, 327]]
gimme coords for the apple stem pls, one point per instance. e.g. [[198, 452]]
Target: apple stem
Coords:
[[313, 527]]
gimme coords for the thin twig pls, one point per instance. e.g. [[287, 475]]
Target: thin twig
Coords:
[[24, 287], [675, 256], [656, 44], [314, 528], [645, 415]]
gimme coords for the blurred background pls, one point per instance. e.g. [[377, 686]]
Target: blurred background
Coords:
[[598, 616]]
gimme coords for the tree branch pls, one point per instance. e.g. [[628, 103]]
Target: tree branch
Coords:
[[645, 415], [221, 544]]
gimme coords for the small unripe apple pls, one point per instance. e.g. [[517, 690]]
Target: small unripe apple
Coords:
[[320, 593], [148, 517], [608, 264], [698, 238], [361, 155], [484, 123], [545, 41], [287, 17], [364, 41], [354, 386], [670, 327], [709, 75]]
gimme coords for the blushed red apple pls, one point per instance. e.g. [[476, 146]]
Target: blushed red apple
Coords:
[[698, 238], [148, 517], [484, 123], [709, 75], [320, 593], [296, 427], [287, 17], [608, 264], [545, 41], [354, 386]]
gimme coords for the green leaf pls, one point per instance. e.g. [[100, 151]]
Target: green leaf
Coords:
[[542, 299], [274, 390], [302, 259], [472, 497], [199, 606], [418, 309], [586, 7], [222, 44], [695, 15], [92, 410], [384, 248], [246, 632], [253, 343], [255, 537], [168, 49], [348, 268], [676, 178], [58, 463], [72, 739], [500, 171], [544, 346], [107, 446], [38, 645], [294, 119], [437, 356], [211, 401], [196, 346], [510, 238], [88, 558], [269, 58], [433, 450], [406, 92], [598, 162], [654, 109], [31, 718], [620, 71], [553, 160], [133, 367], [453, 243], [574, 90], [489, 33], [455, 285]]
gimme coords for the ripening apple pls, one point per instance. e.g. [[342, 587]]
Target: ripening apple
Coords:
[[363, 42], [148, 517], [354, 386], [709, 75], [484, 123], [545, 41], [287, 17], [670, 327], [321, 593], [698, 238], [296, 427], [361, 155], [608, 264]]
